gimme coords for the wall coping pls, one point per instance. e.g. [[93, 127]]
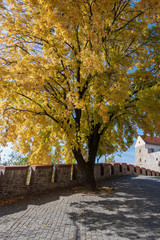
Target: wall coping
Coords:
[[63, 165], [99, 164], [107, 163], [121, 163], [115, 163], [41, 166], [14, 167], [22, 167]]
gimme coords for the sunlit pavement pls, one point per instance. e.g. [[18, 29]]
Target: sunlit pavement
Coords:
[[132, 211]]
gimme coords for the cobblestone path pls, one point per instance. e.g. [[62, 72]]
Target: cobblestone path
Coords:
[[132, 211]]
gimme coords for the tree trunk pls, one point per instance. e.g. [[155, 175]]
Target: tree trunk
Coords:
[[89, 178], [88, 167]]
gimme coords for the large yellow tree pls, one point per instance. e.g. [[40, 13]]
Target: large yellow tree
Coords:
[[79, 76]]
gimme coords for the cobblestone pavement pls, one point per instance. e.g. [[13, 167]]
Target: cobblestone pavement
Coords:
[[132, 211]]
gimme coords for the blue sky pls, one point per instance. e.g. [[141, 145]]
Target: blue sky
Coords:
[[128, 156], [5, 152]]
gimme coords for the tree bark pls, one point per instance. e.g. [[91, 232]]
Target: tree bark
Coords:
[[89, 178], [88, 167]]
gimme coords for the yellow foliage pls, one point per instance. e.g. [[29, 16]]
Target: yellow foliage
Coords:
[[74, 70]]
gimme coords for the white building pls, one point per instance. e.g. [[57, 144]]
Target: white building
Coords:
[[147, 152]]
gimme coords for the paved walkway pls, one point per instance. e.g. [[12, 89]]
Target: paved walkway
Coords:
[[132, 211]]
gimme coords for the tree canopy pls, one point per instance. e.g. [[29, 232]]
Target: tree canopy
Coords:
[[79, 76]]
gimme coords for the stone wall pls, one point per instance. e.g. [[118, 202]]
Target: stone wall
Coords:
[[13, 181], [25, 180]]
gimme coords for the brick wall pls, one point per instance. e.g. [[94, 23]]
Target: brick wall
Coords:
[[24, 180]]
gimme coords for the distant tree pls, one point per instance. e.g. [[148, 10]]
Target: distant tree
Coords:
[[110, 159], [79, 76], [15, 158]]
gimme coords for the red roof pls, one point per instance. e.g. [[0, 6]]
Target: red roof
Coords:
[[151, 140]]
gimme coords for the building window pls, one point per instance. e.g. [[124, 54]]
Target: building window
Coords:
[[145, 160], [140, 159], [156, 159], [150, 150], [139, 150]]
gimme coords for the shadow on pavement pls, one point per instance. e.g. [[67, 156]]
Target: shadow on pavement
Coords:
[[132, 211], [39, 199]]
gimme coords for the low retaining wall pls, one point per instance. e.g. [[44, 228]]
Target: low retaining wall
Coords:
[[62, 175], [24, 180]]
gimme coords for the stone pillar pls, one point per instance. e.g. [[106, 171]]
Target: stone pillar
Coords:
[[130, 169], [63, 175], [136, 170], [140, 171], [78, 178], [124, 168], [116, 169], [153, 173], [107, 170], [41, 175], [144, 171], [13, 181], [148, 172], [157, 174], [98, 171]]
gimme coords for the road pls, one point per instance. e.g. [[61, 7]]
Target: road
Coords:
[[132, 211]]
